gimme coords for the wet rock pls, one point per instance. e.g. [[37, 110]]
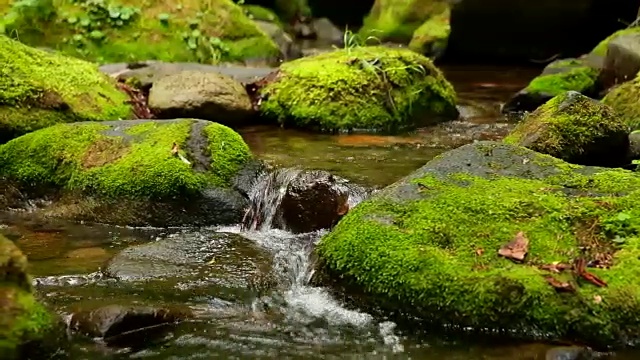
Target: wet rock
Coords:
[[124, 325], [622, 61], [558, 77], [289, 49], [327, 33], [40, 89], [27, 329], [327, 92], [624, 100], [431, 38], [634, 145], [149, 72], [225, 264], [569, 353], [575, 128], [438, 231], [201, 95], [301, 200], [136, 172]]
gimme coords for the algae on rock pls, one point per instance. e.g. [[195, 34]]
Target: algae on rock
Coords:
[[23, 321], [625, 100], [575, 128], [432, 36], [427, 246], [359, 88], [124, 31], [131, 172], [40, 89]]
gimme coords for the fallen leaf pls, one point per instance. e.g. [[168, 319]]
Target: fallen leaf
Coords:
[[597, 299], [580, 270], [479, 251], [560, 286], [175, 149], [516, 249], [556, 267]]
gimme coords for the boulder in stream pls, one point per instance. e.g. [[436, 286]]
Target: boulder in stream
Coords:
[[575, 128], [492, 236], [622, 61], [135, 172], [201, 95], [373, 88], [624, 99], [40, 89], [26, 327]]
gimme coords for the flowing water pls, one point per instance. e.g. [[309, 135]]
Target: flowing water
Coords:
[[249, 288]]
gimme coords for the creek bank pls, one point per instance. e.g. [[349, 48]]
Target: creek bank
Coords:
[[40, 89], [429, 246], [135, 172]]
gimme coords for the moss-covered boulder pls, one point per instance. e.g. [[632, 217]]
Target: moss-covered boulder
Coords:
[[601, 48], [397, 20], [625, 100], [558, 77], [24, 323], [575, 128], [359, 88], [432, 36], [39, 89], [124, 31], [428, 246], [136, 172]]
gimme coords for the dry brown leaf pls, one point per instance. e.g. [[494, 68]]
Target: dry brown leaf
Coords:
[[479, 251], [175, 149], [560, 286], [516, 249], [555, 267]]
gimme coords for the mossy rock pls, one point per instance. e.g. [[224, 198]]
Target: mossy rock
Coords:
[[558, 77], [575, 128], [111, 31], [601, 48], [373, 88], [127, 172], [397, 20], [427, 246], [24, 323], [432, 36], [256, 12], [624, 99], [40, 89]]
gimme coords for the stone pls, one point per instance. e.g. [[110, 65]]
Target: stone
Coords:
[[289, 49], [201, 95], [576, 129], [622, 61], [327, 33], [624, 100], [431, 38]]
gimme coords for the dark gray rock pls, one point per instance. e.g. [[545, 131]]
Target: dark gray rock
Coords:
[[622, 61]]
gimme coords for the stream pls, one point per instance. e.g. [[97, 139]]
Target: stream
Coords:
[[248, 290]]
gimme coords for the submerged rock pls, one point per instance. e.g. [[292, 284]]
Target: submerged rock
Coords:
[[201, 95], [102, 31], [430, 244], [624, 100], [361, 88], [136, 172], [575, 128], [126, 325], [558, 77], [40, 89], [25, 325]]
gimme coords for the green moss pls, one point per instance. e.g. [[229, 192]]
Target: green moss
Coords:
[[127, 160], [256, 12], [601, 48], [432, 36], [360, 88], [422, 254], [290, 9], [39, 89], [570, 127], [397, 20], [624, 100], [581, 79], [208, 32]]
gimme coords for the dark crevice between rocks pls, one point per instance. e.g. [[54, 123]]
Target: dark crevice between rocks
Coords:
[[254, 88], [197, 148]]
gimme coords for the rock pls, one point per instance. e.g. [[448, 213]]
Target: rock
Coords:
[[558, 77], [127, 172], [300, 201], [40, 89], [211, 32], [227, 263], [397, 20], [570, 353], [634, 145], [289, 49], [26, 327], [576, 129], [624, 100], [603, 46], [120, 325], [261, 14], [201, 95], [622, 61], [427, 246], [327, 33], [360, 88], [431, 38]]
